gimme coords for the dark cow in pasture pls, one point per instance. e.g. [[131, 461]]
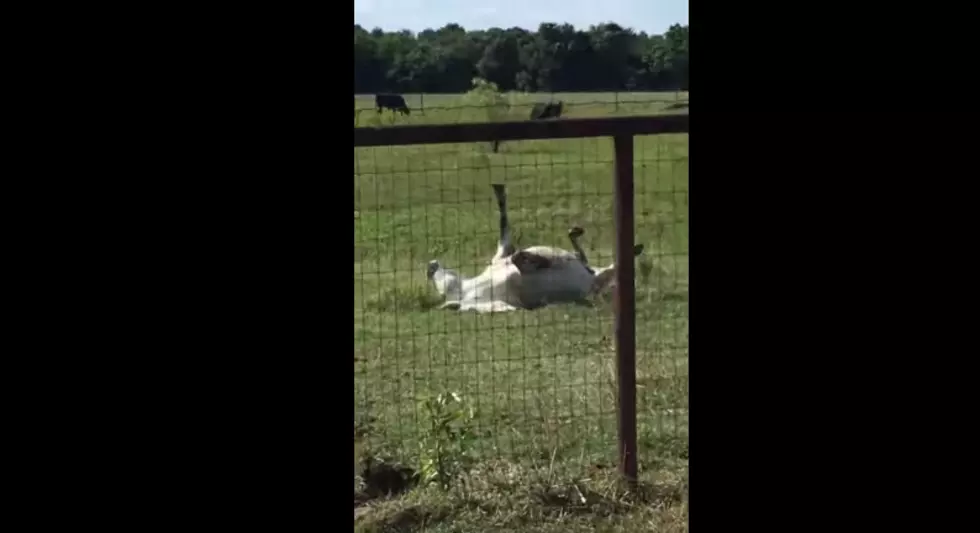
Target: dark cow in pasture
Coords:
[[394, 102], [547, 110], [540, 111]]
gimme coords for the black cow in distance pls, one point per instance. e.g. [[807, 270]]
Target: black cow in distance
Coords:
[[394, 102], [540, 111], [548, 110]]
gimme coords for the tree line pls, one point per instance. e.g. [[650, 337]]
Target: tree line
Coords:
[[555, 58]]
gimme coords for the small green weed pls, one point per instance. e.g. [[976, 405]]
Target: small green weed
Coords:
[[447, 437]]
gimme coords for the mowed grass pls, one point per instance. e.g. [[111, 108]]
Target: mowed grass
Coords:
[[542, 382], [505, 497]]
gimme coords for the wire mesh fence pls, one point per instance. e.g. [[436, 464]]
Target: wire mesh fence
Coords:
[[452, 109], [528, 381], [435, 100]]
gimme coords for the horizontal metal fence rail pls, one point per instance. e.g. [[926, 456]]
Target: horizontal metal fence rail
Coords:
[[571, 128]]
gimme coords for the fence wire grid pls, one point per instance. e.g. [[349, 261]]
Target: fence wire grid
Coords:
[[541, 383], [451, 109]]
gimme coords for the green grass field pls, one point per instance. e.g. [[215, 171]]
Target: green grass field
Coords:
[[541, 383], [442, 108]]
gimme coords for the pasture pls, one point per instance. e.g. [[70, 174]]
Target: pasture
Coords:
[[541, 438], [450, 108]]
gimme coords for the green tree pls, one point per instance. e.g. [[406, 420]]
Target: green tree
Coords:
[[555, 57]]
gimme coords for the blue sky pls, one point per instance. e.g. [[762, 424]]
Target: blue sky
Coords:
[[652, 16]]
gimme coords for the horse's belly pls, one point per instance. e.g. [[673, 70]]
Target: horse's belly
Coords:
[[567, 285]]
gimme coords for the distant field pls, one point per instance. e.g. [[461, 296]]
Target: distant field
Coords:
[[443, 108], [541, 382]]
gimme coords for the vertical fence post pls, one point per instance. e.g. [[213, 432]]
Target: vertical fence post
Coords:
[[625, 308]]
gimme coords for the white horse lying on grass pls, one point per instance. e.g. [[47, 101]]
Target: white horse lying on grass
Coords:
[[523, 279]]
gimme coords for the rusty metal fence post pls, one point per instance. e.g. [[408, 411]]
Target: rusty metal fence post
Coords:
[[625, 308]]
